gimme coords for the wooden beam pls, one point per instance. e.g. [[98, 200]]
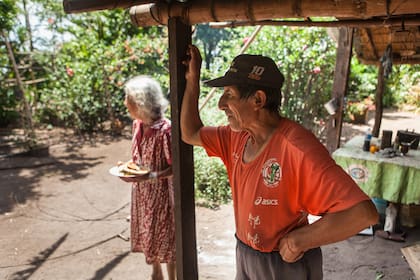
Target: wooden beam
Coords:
[[182, 164], [359, 23], [204, 11], [396, 60], [372, 44], [339, 91], [379, 96], [78, 6]]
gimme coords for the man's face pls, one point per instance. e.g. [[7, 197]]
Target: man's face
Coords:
[[237, 110]]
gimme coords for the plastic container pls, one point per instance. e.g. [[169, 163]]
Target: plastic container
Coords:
[[409, 137], [386, 139], [368, 137], [380, 205]]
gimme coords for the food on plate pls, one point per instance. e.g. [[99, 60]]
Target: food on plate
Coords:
[[131, 168]]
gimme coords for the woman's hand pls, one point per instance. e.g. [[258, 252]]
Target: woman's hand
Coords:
[[149, 176], [136, 179]]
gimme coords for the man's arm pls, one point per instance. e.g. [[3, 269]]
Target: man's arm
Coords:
[[332, 227], [190, 117]]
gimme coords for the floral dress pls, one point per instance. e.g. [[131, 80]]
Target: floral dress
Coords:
[[152, 201]]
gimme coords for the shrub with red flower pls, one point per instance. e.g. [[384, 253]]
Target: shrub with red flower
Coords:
[[69, 71], [316, 70]]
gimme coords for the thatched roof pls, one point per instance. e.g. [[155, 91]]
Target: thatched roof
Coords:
[[378, 23]]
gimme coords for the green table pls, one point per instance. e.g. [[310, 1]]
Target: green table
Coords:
[[394, 179]]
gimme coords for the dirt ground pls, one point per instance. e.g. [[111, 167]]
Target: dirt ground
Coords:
[[64, 217]]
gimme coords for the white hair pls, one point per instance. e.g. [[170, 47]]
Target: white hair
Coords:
[[146, 93]]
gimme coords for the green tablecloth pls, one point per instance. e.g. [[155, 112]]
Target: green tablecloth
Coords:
[[394, 179]]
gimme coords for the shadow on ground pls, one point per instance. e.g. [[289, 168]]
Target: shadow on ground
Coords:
[[18, 185]]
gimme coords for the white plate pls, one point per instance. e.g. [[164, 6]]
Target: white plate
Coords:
[[117, 172], [123, 171]]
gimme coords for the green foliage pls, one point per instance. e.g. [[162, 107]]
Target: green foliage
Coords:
[[87, 73], [399, 87], [8, 114], [402, 86], [306, 56], [8, 102], [412, 97], [209, 38], [211, 182], [362, 81], [8, 13], [307, 60]]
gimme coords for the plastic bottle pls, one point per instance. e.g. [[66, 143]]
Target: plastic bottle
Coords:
[[396, 143], [368, 137], [390, 218]]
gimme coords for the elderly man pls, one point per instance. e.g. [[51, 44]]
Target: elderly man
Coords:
[[278, 172]]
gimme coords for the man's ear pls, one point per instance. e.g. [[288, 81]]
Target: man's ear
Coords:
[[260, 99]]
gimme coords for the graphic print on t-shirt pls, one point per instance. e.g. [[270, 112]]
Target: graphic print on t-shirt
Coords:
[[271, 172], [253, 239], [254, 221]]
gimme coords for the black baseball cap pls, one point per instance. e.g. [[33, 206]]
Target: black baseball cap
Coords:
[[250, 69]]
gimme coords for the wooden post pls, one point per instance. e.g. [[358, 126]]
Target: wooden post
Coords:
[[341, 74], [182, 163], [379, 101]]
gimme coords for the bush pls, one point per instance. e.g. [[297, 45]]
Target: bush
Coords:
[[211, 183], [412, 97], [8, 109]]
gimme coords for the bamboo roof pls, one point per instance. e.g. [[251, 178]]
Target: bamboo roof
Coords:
[[378, 23]]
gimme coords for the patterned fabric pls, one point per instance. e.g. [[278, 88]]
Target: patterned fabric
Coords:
[[152, 208]]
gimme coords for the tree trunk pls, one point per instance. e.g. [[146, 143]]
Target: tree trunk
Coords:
[[31, 47], [378, 101], [28, 27], [27, 123]]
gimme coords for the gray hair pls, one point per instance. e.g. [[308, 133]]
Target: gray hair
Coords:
[[147, 94]]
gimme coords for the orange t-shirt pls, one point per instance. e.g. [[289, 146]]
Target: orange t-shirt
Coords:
[[293, 175]]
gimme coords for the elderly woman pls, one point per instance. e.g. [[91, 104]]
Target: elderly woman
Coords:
[[152, 208]]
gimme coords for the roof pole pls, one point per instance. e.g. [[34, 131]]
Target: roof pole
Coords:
[[339, 90], [182, 156]]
